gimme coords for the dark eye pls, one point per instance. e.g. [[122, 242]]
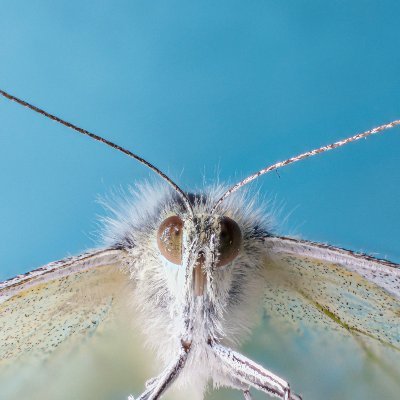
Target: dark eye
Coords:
[[230, 239], [169, 239]]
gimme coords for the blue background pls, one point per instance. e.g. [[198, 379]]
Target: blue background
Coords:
[[216, 88]]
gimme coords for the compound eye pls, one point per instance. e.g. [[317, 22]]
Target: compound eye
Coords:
[[230, 239], [169, 239]]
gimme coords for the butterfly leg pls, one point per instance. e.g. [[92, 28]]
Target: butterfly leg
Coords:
[[157, 386], [247, 371], [234, 383], [247, 395], [150, 382]]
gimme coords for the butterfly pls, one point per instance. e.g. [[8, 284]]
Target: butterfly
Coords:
[[181, 281]]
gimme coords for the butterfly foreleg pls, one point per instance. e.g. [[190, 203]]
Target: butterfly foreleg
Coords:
[[247, 395], [155, 387], [253, 374], [234, 383]]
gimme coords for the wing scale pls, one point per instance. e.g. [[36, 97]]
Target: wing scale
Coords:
[[46, 319], [383, 273], [58, 269], [355, 292], [336, 314]]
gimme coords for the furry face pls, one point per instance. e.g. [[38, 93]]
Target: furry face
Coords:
[[165, 293]]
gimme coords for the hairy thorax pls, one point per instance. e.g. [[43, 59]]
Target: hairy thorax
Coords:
[[228, 316]]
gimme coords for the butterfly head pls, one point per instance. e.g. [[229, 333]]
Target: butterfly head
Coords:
[[200, 244], [204, 264]]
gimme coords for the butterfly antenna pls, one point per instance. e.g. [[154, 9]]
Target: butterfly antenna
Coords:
[[106, 142], [302, 156]]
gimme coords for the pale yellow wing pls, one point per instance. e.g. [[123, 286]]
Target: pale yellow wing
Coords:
[[332, 321], [67, 332]]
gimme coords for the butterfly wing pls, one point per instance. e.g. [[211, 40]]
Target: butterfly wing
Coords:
[[58, 269], [66, 331], [332, 320]]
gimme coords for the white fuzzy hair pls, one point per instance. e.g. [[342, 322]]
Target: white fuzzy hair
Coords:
[[238, 287]]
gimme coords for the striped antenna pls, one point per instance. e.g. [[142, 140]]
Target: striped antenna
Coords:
[[303, 156], [106, 142]]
